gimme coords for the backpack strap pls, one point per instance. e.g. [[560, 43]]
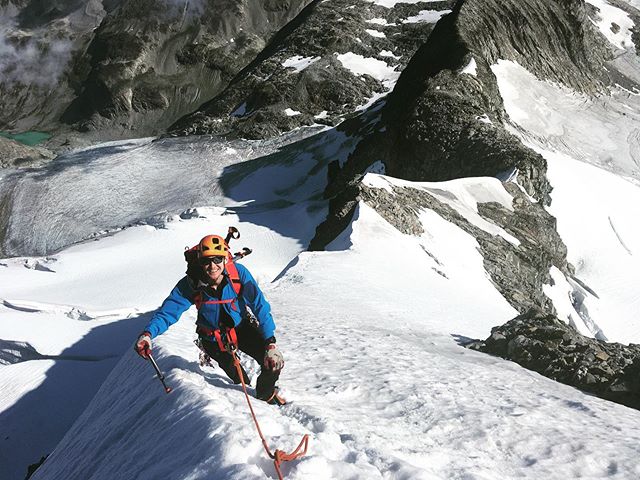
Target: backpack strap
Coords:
[[197, 300], [233, 275]]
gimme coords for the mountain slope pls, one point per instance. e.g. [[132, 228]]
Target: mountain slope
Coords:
[[412, 267], [433, 408], [110, 69], [335, 58]]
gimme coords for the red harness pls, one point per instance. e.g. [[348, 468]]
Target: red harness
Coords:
[[224, 339]]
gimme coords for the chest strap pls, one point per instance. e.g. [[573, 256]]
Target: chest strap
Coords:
[[197, 299]]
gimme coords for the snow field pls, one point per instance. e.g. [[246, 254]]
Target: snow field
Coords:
[[392, 3], [609, 16], [603, 237], [601, 130], [427, 16], [373, 374], [592, 153], [378, 69], [299, 63]]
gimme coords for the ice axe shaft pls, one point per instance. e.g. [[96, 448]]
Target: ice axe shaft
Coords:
[[159, 373]]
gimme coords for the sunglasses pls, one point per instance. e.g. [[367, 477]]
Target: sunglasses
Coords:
[[207, 260]]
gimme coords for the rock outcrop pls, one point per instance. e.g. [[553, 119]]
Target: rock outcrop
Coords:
[[15, 154], [519, 272], [542, 343], [445, 120], [308, 73]]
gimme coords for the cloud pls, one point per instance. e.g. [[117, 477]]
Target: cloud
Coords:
[[37, 57]]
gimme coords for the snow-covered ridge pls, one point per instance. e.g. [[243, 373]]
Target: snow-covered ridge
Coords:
[[463, 195], [336, 322], [352, 299]]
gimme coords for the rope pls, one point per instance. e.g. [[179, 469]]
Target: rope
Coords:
[[279, 456]]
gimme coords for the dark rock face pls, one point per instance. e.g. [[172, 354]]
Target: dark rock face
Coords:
[[41, 41], [574, 49], [31, 469], [301, 70], [152, 61], [552, 348], [434, 112]]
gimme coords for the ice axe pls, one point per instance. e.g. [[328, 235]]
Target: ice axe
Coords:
[[238, 255], [233, 233], [160, 374]]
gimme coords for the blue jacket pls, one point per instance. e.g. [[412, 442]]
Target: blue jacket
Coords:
[[212, 315]]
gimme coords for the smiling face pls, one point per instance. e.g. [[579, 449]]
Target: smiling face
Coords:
[[212, 270]]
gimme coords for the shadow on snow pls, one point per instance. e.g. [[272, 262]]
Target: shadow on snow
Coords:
[[34, 425]]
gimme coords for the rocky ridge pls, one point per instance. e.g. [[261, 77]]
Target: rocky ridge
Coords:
[[519, 272], [547, 345], [304, 76], [445, 117], [445, 120]]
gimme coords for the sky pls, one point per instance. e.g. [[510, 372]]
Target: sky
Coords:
[[371, 329]]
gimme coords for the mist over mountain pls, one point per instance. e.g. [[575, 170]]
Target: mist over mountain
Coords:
[[489, 149]]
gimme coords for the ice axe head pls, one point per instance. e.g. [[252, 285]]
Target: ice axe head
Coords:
[[232, 233]]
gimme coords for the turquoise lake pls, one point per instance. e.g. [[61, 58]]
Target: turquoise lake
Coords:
[[27, 138]]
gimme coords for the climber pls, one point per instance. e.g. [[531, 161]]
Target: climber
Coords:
[[222, 290]]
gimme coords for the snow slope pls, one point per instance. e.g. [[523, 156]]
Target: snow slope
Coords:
[[375, 373]]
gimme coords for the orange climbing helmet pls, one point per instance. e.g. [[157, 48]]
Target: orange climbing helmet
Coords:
[[212, 246]]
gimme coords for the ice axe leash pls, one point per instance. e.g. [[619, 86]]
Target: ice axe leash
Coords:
[[279, 456], [160, 374]]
